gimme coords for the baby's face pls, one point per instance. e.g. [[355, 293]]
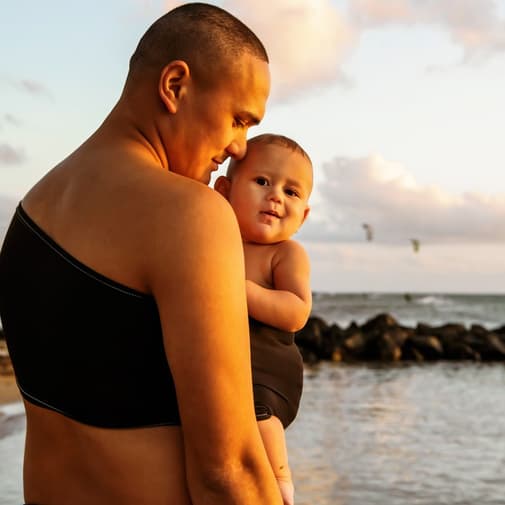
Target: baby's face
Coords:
[[269, 193]]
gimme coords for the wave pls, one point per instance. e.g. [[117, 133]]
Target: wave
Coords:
[[12, 419], [10, 410], [436, 300]]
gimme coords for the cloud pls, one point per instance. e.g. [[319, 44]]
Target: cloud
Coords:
[[12, 120], [307, 40], [9, 118], [11, 156], [475, 26], [386, 196], [32, 87], [368, 267]]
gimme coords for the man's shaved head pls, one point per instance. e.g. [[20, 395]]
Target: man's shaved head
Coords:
[[206, 37]]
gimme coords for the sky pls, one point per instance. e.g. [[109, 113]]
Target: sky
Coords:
[[399, 103]]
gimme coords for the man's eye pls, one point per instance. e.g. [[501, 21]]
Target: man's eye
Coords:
[[261, 181], [239, 123]]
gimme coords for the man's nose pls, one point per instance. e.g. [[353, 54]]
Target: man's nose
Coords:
[[238, 147]]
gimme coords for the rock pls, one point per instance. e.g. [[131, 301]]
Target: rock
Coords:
[[478, 330], [500, 330], [352, 328], [449, 331], [319, 338], [423, 329], [410, 353], [310, 337], [354, 346], [461, 351], [381, 338], [488, 345], [389, 348], [428, 346], [380, 322], [308, 357]]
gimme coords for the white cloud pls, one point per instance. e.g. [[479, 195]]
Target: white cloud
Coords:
[[32, 87], [474, 25], [307, 40], [10, 155], [12, 120], [386, 196], [372, 267]]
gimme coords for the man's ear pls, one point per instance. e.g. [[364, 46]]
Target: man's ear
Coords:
[[222, 185], [174, 80]]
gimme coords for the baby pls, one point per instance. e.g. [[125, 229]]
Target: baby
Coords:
[[269, 191]]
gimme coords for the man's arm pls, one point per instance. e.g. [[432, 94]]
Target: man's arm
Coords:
[[198, 282], [287, 306]]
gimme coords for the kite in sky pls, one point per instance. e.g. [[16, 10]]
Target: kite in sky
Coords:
[[368, 230], [415, 244]]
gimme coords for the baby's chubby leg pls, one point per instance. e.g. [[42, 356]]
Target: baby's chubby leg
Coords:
[[274, 440]]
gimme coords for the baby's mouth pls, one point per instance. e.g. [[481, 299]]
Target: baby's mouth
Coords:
[[271, 213]]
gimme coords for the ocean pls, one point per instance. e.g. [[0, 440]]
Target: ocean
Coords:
[[374, 434], [410, 309]]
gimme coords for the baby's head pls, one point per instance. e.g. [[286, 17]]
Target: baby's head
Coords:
[[269, 189]]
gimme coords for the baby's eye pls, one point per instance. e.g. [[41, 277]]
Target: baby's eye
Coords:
[[291, 192], [261, 181]]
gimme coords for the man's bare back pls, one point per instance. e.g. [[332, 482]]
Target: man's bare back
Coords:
[[130, 205]]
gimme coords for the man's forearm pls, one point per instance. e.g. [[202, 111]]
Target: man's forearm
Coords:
[[251, 485]]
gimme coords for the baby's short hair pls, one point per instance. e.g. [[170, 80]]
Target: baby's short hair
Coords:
[[270, 139]]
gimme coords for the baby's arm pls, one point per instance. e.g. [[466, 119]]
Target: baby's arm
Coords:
[[272, 433], [287, 306]]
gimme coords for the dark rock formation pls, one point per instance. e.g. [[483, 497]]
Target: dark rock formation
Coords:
[[381, 338]]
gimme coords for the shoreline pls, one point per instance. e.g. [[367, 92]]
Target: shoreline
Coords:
[[9, 392]]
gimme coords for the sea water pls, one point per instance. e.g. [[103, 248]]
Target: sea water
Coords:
[[410, 309], [367, 434]]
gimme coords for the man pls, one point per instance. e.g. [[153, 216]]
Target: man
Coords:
[[122, 287]]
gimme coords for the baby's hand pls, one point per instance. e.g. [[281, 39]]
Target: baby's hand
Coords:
[[287, 491]]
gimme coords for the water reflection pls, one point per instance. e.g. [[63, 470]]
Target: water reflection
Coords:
[[424, 435], [374, 435]]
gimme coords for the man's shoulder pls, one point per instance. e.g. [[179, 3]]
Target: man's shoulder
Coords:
[[166, 193], [185, 210]]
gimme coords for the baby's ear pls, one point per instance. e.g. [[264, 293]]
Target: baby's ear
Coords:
[[305, 214], [222, 185]]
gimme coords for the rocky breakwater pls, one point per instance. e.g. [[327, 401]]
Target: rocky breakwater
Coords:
[[382, 338]]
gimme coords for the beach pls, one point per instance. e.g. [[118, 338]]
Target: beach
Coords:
[[9, 392], [423, 433]]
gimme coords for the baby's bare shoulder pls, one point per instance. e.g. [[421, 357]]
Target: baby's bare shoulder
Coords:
[[290, 251]]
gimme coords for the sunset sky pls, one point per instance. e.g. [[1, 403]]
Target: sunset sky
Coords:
[[400, 104]]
